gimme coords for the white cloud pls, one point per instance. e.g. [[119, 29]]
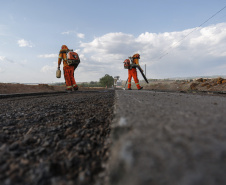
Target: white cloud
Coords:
[[2, 58], [111, 43], [49, 68], [2, 70], [48, 56], [24, 43], [196, 54], [65, 33], [79, 35]]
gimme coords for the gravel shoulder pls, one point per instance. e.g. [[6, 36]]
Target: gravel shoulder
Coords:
[[61, 139]]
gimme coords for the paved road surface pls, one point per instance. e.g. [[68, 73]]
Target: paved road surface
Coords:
[[168, 139]]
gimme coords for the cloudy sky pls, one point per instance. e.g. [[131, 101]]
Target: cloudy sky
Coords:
[[166, 33]]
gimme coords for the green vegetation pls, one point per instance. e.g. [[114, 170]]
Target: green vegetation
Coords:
[[90, 84], [107, 80]]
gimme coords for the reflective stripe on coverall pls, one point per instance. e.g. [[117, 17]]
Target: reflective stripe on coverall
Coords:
[[133, 73], [68, 72]]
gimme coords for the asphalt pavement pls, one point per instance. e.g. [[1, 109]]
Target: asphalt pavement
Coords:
[[162, 138]]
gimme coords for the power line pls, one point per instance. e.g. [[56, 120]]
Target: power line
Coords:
[[166, 51]]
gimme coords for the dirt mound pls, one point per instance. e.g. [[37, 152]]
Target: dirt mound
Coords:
[[216, 84], [201, 84]]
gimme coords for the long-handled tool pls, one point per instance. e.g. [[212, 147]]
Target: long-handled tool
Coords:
[[141, 71]]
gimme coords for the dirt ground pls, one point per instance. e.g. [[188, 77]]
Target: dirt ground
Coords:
[[9, 88], [201, 84]]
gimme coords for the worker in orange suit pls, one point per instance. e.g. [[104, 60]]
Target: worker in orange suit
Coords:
[[68, 70], [132, 72]]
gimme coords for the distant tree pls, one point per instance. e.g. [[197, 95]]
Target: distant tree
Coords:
[[107, 80]]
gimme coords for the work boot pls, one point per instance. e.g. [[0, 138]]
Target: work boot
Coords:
[[75, 88], [129, 89], [140, 88]]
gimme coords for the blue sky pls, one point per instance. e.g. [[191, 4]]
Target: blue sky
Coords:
[[105, 33]]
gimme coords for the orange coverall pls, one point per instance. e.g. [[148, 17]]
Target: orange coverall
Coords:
[[133, 73], [68, 70]]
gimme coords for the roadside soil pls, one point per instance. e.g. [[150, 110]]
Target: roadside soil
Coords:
[[9, 88], [217, 84], [201, 84]]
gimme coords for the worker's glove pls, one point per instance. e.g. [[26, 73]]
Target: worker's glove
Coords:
[[58, 68]]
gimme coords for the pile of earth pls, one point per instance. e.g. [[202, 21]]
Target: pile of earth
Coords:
[[201, 84]]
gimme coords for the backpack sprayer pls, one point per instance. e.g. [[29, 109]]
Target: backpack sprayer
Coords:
[[73, 58]]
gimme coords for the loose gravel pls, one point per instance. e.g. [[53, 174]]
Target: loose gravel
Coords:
[[61, 139]]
